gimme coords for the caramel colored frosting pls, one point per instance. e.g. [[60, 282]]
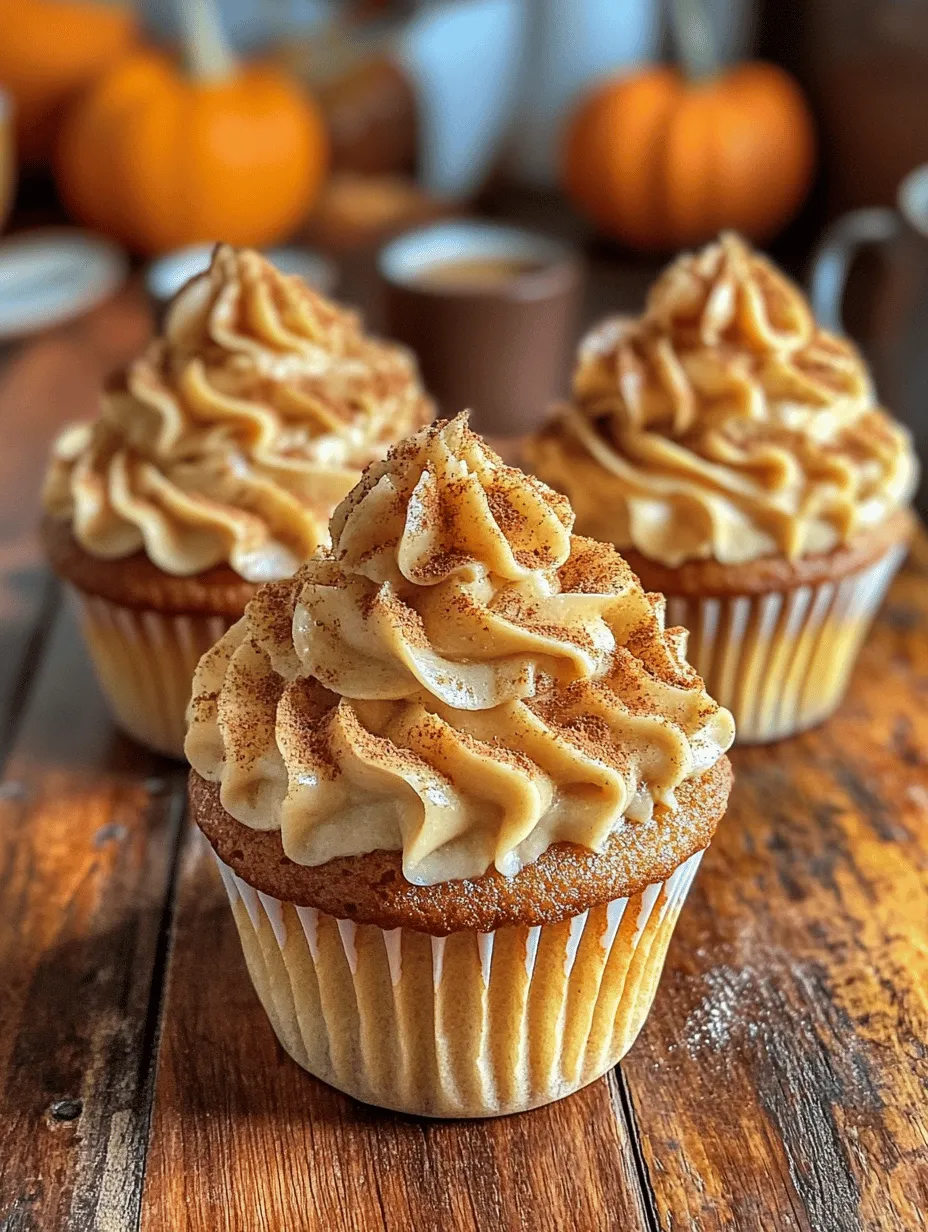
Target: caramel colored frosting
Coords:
[[232, 439], [458, 678], [724, 423]]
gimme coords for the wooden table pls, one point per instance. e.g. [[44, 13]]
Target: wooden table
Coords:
[[779, 1084]]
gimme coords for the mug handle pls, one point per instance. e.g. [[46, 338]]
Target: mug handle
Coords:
[[835, 254]]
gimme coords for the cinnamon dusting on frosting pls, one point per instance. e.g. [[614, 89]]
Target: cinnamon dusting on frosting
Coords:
[[724, 423], [238, 431], [458, 678]]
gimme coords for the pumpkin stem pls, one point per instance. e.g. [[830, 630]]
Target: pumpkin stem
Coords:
[[207, 51], [693, 38]]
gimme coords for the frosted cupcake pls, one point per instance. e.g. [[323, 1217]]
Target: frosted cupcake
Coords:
[[458, 776], [733, 451], [215, 464]]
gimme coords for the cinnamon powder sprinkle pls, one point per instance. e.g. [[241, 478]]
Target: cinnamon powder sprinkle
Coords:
[[481, 666]]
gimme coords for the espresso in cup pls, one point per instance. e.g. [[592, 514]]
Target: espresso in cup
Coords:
[[490, 311], [476, 273]]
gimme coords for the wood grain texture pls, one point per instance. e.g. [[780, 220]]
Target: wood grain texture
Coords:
[[781, 1081], [242, 1138], [54, 379], [88, 828]]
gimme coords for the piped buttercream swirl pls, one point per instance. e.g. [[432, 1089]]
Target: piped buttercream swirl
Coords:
[[239, 430], [724, 423], [459, 677]]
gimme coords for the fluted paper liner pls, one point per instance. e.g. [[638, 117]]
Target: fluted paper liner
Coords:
[[145, 663], [472, 1024], [780, 662]]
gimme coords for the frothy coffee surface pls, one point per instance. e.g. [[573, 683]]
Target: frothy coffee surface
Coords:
[[476, 273]]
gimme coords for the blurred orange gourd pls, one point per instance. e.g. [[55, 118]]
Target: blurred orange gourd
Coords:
[[158, 156], [48, 50], [663, 158]]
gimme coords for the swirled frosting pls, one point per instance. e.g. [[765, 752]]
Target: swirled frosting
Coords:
[[459, 678], [236, 434], [724, 423]]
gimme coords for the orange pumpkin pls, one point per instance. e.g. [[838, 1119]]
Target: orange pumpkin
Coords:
[[159, 157], [658, 161], [49, 49]]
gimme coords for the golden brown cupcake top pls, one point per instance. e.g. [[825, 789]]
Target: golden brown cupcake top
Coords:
[[564, 881], [724, 423], [232, 439], [458, 678]]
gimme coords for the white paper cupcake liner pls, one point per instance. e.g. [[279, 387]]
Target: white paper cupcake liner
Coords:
[[472, 1024], [781, 661], [145, 663]]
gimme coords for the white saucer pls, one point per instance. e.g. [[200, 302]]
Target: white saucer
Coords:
[[52, 275]]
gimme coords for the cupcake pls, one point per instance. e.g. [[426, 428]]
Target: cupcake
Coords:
[[734, 452], [458, 777], [214, 466]]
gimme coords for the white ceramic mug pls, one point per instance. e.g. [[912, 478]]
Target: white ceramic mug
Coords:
[[897, 334]]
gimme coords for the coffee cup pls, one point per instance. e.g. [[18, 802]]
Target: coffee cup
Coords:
[[490, 311], [895, 341]]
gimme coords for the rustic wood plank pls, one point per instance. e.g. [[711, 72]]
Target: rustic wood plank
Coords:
[[243, 1138], [53, 378], [781, 1081], [88, 835]]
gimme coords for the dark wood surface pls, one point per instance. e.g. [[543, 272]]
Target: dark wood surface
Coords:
[[780, 1083]]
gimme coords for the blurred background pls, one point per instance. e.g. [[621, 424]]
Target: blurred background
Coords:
[[609, 133]]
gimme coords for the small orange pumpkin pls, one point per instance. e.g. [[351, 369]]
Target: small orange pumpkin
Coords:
[[157, 157], [49, 49], [661, 159]]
